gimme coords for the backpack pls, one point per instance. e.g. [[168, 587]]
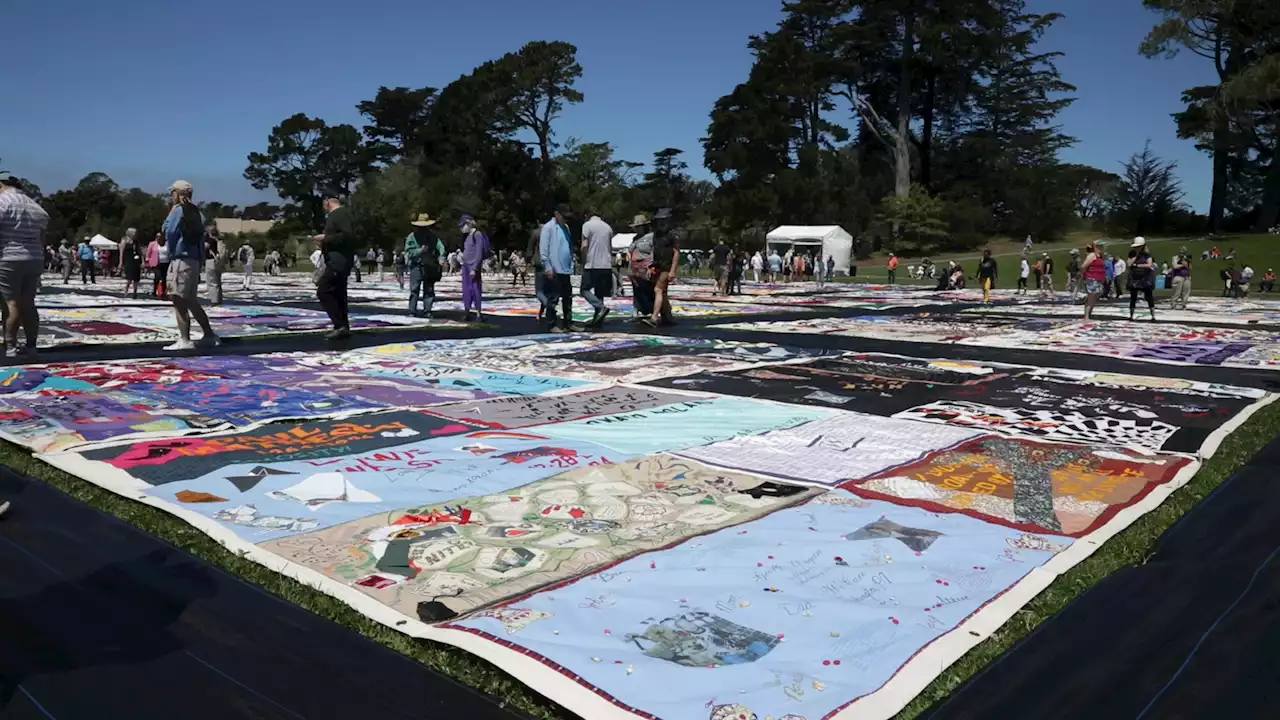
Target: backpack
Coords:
[[191, 225], [243, 254]]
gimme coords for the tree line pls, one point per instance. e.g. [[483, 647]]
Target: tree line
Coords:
[[918, 125]]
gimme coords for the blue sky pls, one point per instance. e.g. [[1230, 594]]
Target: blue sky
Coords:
[[149, 90]]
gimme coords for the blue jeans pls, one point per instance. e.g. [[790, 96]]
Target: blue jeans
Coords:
[[417, 283], [540, 290]]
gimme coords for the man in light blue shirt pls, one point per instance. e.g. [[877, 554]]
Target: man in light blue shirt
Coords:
[[556, 253]]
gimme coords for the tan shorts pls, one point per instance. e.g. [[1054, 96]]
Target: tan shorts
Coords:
[[183, 279]]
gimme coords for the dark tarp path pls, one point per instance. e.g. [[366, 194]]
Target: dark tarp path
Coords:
[[1192, 633], [100, 620]]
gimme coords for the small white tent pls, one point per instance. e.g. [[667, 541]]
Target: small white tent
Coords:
[[99, 241], [833, 241], [622, 241]]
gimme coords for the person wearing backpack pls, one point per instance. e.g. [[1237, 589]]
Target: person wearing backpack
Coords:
[[184, 239], [424, 252], [246, 257], [88, 268]]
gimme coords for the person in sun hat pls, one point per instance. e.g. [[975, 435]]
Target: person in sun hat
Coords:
[[1142, 277], [184, 238], [1073, 274], [22, 226], [475, 251], [640, 264], [423, 250]]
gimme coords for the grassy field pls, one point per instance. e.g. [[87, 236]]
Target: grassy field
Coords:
[[1259, 251], [1131, 547]]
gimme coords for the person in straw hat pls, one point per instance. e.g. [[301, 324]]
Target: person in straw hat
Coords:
[[640, 260], [423, 250]]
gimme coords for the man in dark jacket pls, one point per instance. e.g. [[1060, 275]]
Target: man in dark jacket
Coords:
[[338, 244]]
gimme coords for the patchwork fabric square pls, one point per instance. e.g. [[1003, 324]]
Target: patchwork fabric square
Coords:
[[1041, 487]]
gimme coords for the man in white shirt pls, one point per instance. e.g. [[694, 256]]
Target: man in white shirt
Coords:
[[1119, 269], [597, 261], [757, 264]]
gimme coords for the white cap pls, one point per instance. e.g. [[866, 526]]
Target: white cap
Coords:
[[1139, 242], [180, 186]]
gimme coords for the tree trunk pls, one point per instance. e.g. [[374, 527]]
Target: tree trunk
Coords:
[[1221, 158], [902, 143], [926, 134], [1269, 216]]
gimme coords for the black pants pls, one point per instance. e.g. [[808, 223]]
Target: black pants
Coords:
[[161, 279], [558, 287], [1146, 295], [331, 291], [642, 290], [88, 271]]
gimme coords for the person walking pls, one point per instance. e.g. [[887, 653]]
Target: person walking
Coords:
[[988, 273], [215, 261], [160, 282], [88, 268], [720, 266], [757, 265], [666, 253], [22, 226], [247, 257], [1142, 277], [423, 251], [130, 262], [1094, 271], [597, 270], [557, 261], [401, 267], [475, 251], [66, 259], [893, 269], [1117, 274], [618, 287], [184, 237], [338, 245], [1024, 271], [1046, 276], [1181, 280], [371, 257], [151, 261], [1073, 274]]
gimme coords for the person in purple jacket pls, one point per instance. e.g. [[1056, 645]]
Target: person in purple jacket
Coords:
[[475, 250]]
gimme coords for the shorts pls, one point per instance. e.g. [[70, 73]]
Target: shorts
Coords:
[[20, 279], [1093, 287], [599, 281], [183, 279], [719, 272]]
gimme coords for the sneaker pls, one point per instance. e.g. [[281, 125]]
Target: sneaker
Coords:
[[598, 320], [558, 330], [4, 508], [180, 346], [338, 334], [210, 341], [649, 322], [28, 352]]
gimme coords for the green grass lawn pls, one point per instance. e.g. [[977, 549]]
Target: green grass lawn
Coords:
[[1131, 547], [1259, 251]]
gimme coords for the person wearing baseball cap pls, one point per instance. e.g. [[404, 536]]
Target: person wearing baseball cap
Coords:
[[22, 226], [184, 237]]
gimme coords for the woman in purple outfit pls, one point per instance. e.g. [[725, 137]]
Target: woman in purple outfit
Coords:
[[475, 250]]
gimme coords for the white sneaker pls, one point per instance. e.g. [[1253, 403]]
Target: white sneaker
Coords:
[[179, 346], [4, 508]]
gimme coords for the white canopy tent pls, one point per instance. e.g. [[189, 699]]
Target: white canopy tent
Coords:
[[832, 240], [622, 241], [99, 241]]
